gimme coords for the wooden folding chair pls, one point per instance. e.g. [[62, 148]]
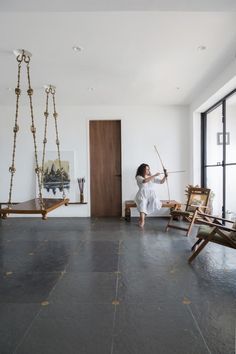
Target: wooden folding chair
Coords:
[[197, 201], [216, 232]]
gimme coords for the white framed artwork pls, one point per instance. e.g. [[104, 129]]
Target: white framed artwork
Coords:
[[52, 181]]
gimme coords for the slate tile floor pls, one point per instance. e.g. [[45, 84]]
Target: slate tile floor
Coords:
[[103, 286]]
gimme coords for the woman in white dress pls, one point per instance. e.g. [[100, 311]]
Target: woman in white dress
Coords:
[[147, 199]]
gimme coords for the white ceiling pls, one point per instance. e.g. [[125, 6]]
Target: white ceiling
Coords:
[[118, 5], [128, 57]]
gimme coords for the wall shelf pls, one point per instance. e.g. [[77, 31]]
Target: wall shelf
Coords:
[[77, 203]]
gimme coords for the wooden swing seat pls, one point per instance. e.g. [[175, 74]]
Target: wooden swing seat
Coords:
[[33, 207]]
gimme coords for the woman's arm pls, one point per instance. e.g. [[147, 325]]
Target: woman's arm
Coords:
[[162, 180], [150, 178]]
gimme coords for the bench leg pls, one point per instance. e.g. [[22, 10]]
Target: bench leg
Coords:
[[127, 214], [44, 215]]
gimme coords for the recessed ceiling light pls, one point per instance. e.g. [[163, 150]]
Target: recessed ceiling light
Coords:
[[77, 49], [201, 47], [91, 88]]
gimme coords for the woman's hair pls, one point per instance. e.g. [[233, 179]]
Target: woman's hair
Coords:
[[141, 170]]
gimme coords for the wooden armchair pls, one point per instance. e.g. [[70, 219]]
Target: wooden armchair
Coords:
[[214, 231], [197, 201]]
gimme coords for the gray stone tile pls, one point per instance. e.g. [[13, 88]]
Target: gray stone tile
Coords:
[[26, 287], [153, 328], [95, 256], [15, 319], [96, 288], [70, 328]]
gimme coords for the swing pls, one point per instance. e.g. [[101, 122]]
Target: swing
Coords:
[[38, 205]]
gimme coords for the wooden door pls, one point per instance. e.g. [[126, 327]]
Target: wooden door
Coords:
[[105, 167]]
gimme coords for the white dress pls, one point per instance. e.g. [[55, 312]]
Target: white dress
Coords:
[[147, 197]]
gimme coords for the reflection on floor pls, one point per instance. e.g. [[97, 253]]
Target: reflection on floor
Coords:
[[80, 285]]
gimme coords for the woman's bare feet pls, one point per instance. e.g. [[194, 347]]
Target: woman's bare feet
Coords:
[[141, 220], [141, 223]]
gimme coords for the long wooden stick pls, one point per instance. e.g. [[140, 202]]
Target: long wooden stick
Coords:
[[164, 171]]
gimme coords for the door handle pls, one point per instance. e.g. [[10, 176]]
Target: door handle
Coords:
[[118, 175]]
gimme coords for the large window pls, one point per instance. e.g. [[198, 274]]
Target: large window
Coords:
[[219, 155]]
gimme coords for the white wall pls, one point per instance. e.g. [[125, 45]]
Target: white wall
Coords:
[[167, 127]]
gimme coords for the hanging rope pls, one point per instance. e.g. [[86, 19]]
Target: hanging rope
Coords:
[[26, 59], [12, 168], [51, 90], [46, 114]]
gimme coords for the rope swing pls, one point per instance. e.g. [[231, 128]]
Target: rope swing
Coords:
[[38, 205]]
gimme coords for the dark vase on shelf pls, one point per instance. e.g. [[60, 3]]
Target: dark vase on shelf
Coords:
[[81, 197]]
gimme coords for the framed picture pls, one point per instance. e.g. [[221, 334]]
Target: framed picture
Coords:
[[220, 137], [52, 181], [198, 199]]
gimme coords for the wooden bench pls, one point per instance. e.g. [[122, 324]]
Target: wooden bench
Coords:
[[172, 204]]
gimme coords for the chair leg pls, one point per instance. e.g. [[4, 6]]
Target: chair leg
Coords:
[[195, 244], [191, 223], [199, 249], [189, 229], [167, 226], [202, 245]]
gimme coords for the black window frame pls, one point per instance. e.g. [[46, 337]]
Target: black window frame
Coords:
[[221, 102]]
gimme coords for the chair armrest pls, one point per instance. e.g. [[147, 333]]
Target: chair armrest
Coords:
[[221, 227], [198, 206], [227, 238], [216, 217]]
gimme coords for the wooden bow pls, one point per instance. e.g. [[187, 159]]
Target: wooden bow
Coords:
[[164, 171]]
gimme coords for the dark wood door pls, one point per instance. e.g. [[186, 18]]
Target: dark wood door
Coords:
[[105, 167]]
